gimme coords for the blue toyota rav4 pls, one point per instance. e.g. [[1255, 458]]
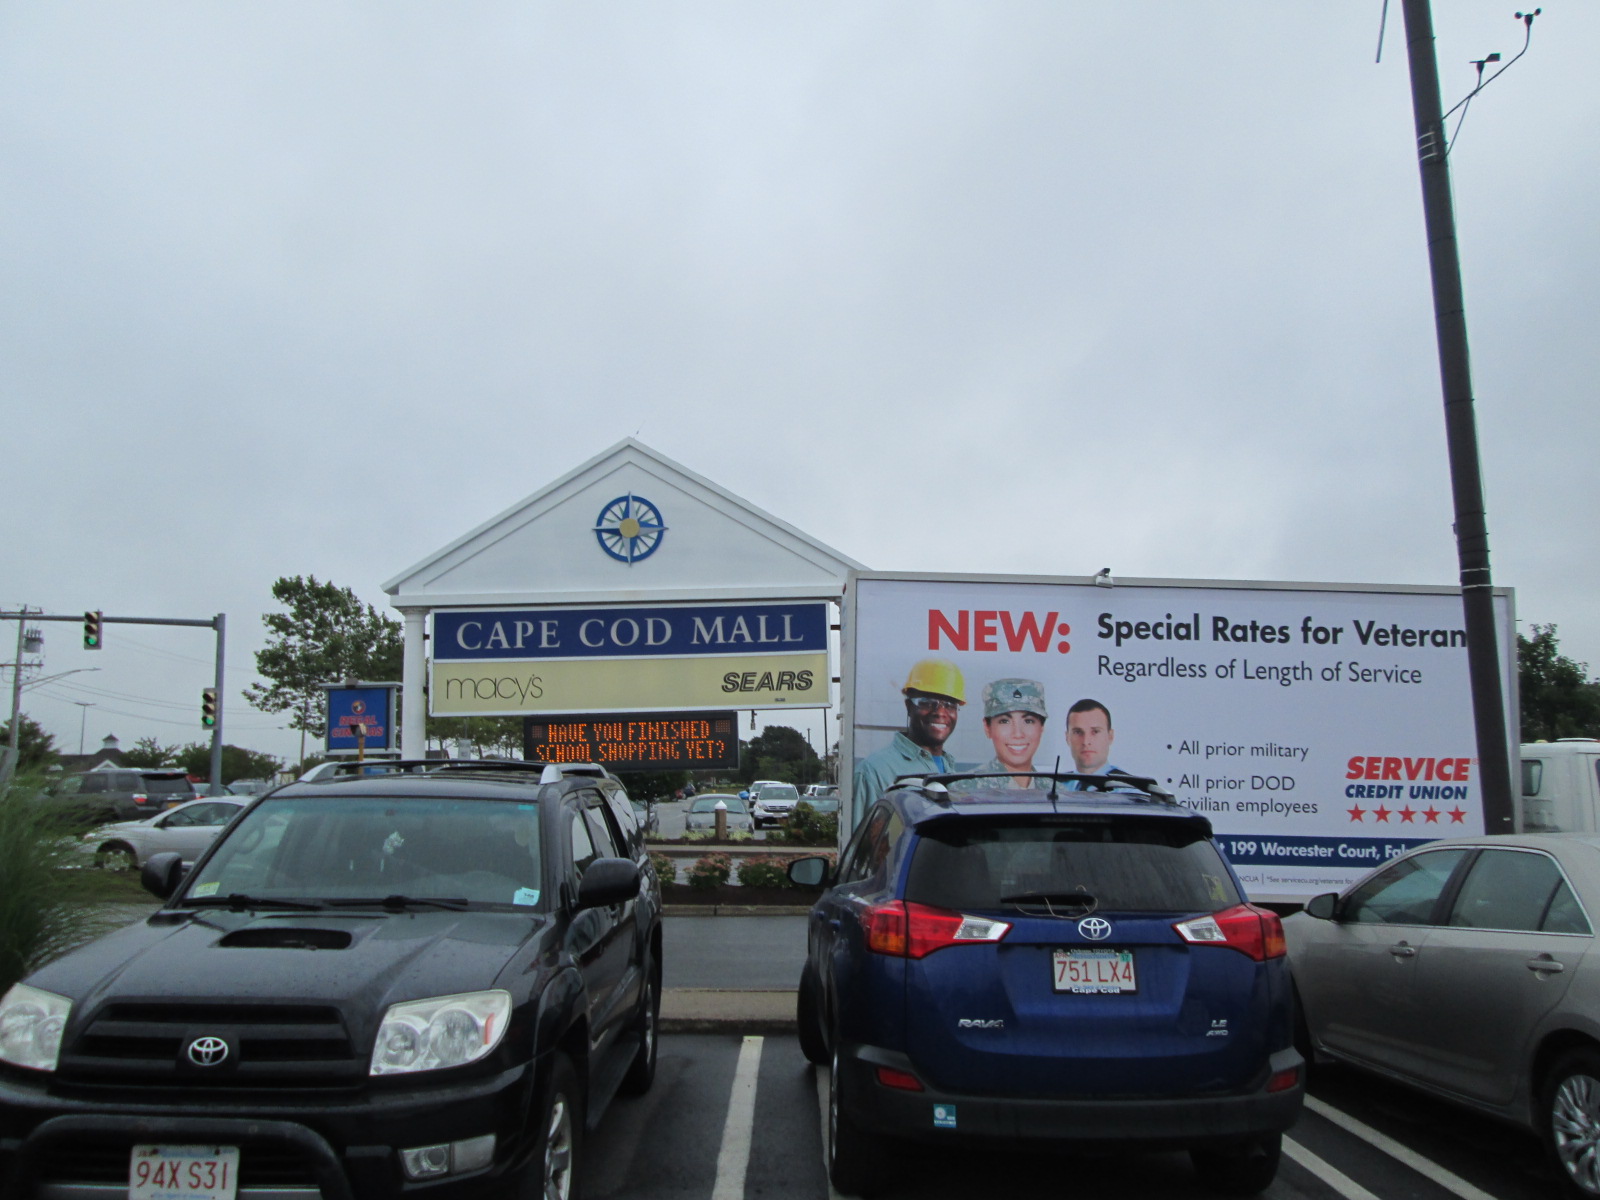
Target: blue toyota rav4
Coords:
[[1052, 967]]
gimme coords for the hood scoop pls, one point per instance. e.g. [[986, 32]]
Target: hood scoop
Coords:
[[270, 938]]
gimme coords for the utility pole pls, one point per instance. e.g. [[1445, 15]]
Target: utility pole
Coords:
[[1461, 431], [28, 641]]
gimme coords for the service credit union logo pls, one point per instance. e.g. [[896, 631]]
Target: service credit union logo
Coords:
[[983, 629]]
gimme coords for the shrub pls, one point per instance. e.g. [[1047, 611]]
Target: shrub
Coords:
[[808, 827], [765, 870], [666, 868], [711, 871], [46, 907]]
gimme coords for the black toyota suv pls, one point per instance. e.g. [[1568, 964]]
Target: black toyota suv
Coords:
[[425, 983]]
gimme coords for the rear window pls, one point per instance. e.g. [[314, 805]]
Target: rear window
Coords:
[[1121, 865], [167, 785]]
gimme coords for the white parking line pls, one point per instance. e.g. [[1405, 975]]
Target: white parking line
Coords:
[[1394, 1149], [1325, 1171], [733, 1160]]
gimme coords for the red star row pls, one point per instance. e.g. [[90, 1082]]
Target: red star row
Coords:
[[1430, 815]]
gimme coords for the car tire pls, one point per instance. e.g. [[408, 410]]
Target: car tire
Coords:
[[116, 857], [553, 1172], [808, 1021], [1569, 1119], [1240, 1169], [647, 1028], [855, 1166]]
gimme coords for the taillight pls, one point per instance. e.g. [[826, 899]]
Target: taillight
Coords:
[[906, 929], [1256, 932]]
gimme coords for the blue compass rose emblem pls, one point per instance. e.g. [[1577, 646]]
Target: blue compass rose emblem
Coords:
[[629, 528]]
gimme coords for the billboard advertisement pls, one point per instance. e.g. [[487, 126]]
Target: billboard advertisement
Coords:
[[1322, 729], [512, 662]]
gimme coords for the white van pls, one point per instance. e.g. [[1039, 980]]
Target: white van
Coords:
[[1561, 786]]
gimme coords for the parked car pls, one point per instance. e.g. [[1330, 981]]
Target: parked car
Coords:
[[702, 813], [122, 793], [186, 830], [427, 983], [251, 787], [1051, 968], [823, 790], [772, 803], [1467, 969]]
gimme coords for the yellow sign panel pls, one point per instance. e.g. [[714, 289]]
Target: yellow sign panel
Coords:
[[483, 689]]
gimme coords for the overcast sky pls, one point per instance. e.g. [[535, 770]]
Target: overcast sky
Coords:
[[1008, 286]]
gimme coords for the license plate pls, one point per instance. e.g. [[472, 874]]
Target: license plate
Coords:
[[1095, 971], [183, 1173]]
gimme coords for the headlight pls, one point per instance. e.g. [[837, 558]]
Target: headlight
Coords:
[[31, 1022], [446, 1031]]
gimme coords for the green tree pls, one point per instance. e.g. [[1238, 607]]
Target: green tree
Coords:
[[486, 735], [779, 752], [36, 749], [147, 752], [237, 762], [326, 636], [1558, 697]]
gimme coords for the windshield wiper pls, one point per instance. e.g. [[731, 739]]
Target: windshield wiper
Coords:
[[239, 901], [455, 903], [1076, 904]]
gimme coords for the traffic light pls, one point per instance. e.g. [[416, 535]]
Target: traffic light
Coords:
[[91, 631], [208, 708]]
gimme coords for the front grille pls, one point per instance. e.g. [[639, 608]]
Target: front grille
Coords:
[[267, 1046], [106, 1161]]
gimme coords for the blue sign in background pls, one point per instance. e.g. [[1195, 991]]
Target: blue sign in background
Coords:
[[372, 706], [673, 632]]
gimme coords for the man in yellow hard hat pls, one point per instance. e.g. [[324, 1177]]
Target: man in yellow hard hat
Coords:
[[934, 693]]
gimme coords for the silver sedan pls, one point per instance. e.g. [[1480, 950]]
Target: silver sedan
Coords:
[[1468, 968], [187, 828], [702, 814]]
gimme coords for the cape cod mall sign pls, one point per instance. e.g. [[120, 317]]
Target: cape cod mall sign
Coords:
[[508, 662]]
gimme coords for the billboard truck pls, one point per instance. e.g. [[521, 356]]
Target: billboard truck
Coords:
[[1323, 728]]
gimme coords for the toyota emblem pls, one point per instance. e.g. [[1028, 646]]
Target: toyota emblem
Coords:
[[1096, 929], [208, 1051]]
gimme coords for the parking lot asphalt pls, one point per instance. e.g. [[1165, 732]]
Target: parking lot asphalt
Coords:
[[731, 974]]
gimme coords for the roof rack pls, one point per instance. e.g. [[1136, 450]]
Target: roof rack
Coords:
[[1140, 787], [547, 772]]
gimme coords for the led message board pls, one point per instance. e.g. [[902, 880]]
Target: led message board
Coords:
[[652, 741]]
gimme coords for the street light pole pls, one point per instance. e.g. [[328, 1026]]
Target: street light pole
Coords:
[[83, 721], [1461, 431]]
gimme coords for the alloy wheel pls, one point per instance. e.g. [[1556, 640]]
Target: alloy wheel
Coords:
[[558, 1151], [1575, 1129]]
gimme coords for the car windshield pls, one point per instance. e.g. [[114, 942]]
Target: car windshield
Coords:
[[780, 791], [1121, 865], [347, 848], [705, 804]]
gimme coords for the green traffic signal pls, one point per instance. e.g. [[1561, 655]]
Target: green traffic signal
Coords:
[[91, 631], [208, 708]]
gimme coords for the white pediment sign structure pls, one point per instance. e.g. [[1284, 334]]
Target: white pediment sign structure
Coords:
[[629, 527]]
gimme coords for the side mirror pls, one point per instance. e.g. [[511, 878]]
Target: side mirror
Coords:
[[809, 872], [162, 873], [1323, 907], [608, 881]]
